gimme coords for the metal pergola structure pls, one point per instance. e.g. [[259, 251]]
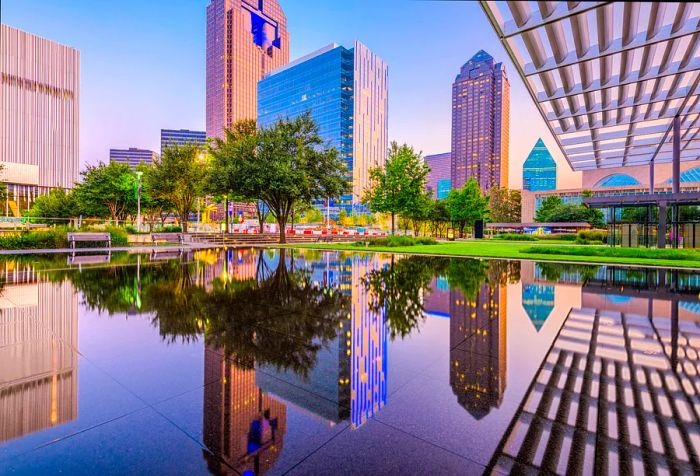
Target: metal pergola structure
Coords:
[[616, 82]]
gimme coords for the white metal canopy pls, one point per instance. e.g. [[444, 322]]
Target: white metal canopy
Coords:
[[608, 77]]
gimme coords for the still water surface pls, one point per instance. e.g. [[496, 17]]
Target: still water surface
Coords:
[[268, 362]]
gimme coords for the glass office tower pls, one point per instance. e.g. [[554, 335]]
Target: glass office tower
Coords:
[[169, 137], [345, 90], [480, 120], [539, 169], [439, 182]]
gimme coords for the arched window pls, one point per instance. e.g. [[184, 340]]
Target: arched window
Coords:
[[690, 175], [617, 180]]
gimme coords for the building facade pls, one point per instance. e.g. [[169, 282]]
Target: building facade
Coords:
[[132, 156], [169, 137], [539, 169], [345, 91], [39, 113], [245, 40], [480, 123], [439, 181]]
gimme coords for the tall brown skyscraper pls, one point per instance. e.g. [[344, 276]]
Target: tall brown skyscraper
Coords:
[[246, 39], [480, 118]]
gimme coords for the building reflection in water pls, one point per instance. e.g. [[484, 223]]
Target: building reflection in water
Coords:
[[349, 379], [538, 302], [38, 361], [478, 345], [618, 392], [243, 426]]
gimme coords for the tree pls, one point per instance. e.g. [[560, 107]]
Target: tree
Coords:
[[399, 185], [467, 205], [151, 206], [56, 204], [3, 185], [106, 190], [420, 212], [504, 204], [227, 156], [178, 176], [439, 216], [548, 205], [571, 212]]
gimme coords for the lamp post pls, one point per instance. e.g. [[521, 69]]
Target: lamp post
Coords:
[[138, 200]]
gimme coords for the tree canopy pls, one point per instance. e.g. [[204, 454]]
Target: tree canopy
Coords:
[[467, 205], [399, 186], [106, 190], [504, 204], [178, 177]]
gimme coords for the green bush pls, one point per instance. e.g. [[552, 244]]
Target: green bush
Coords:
[[171, 229], [396, 241], [647, 253], [120, 237], [563, 237], [515, 237], [55, 238], [593, 235]]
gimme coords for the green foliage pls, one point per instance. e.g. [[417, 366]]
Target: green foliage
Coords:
[[467, 205], [170, 229], [286, 166], [106, 190], [178, 177], [515, 237], [56, 204], [54, 238], [504, 205], [563, 237], [3, 185], [593, 235], [394, 241], [398, 187], [549, 204]]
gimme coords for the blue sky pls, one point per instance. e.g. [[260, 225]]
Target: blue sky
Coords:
[[142, 65]]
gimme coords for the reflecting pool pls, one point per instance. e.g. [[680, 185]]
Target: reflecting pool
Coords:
[[247, 361]]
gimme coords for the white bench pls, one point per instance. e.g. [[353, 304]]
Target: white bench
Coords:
[[178, 238], [73, 238]]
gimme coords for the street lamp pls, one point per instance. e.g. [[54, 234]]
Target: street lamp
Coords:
[[138, 200]]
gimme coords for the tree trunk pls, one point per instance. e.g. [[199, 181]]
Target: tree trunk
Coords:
[[226, 215], [282, 224], [392, 223], [183, 221]]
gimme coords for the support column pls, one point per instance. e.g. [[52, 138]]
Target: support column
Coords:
[[651, 177], [661, 232], [676, 154]]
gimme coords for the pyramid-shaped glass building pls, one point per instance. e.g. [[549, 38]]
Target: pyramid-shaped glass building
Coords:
[[540, 169]]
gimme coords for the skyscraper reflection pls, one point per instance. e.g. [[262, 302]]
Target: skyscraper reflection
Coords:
[[478, 346], [243, 425], [38, 358]]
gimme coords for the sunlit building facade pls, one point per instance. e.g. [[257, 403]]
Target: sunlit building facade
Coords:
[[38, 338], [39, 112], [132, 156], [439, 181], [480, 123], [539, 169], [345, 90], [170, 137], [245, 40]]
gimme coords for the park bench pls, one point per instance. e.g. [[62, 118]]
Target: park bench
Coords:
[[178, 238], [74, 259], [157, 255], [73, 238]]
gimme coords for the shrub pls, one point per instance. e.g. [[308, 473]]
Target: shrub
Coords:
[[515, 237], [54, 238], [171, 229], [563, 237], [593, 235], [396, 241]]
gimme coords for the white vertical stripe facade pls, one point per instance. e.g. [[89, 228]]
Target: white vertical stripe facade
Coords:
[[371, 119], [39, 106]]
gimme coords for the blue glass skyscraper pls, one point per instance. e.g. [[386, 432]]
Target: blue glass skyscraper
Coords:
[[539, 170], [345, 90]]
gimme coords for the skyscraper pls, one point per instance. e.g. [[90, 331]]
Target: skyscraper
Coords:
[[345, 90], [39, 109], [132, 156], [245, 40], [169, 137], [480, 118], [539, 169], [439, 182]]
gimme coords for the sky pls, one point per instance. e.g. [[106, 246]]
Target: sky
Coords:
[[143, 66]]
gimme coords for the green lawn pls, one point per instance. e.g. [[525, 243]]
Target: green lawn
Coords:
[[537, 251]]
